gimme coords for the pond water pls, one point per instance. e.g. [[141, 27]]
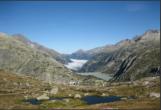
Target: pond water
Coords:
[[33, 101], [88, 99], [99, 99], [37, 102]]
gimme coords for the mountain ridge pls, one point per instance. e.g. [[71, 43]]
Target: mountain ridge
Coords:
[[125, 42], [17, 57], [120, 58], [59, 57]]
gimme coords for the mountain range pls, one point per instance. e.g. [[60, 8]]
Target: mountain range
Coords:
[[127, 60]]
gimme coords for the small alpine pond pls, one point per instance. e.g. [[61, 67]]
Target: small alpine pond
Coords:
[[87, 99]]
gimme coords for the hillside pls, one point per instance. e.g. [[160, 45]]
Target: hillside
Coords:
[[128, 59], [17, 57], [49, 52]]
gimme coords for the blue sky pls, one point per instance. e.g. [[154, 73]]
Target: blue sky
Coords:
[[67, 26]]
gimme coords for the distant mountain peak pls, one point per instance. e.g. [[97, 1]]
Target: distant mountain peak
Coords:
[[22, 38], [124, 42], [148, 35], [80, 51], [19, 36], [152, 31]]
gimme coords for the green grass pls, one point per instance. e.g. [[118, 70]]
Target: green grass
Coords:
[[63, 104]]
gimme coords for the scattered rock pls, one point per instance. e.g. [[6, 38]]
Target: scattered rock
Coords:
[[67, 100], [145, 83], [54, 90], [77, 96], [26, 97], [43, 97], [153, 94], [46, 92], [110, 90], [27, 84], [103, 94], [86, 94], [69, 95], [4, 79], [124, 98], [15, 84], [135, 83], [52, 101]]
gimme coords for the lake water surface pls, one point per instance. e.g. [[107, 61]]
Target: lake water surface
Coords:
[[76, 64], [100, 99]]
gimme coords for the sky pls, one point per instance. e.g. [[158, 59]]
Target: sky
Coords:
[[67, 26]]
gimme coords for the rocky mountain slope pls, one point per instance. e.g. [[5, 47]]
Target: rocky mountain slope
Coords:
[[17, 57], [11, 83], [79, 54], [88, 54], [128, 59], [50, 52]]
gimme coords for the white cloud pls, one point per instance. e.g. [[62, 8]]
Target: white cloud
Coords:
[[76, 64]]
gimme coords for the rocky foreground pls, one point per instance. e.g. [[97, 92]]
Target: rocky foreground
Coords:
[[16, 89]]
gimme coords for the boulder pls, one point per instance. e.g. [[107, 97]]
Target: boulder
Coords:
[[86, 94], [145, 83], [28, 84], [54, 90], [153, 94], [67, 100], [43, 97], [69, 95], [77, 96], [103, 94], [15, 84], [124, 98]]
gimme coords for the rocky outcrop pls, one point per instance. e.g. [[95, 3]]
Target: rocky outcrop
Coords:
[[17, 57], [128, 59]]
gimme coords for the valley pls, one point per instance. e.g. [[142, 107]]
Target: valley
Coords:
[[76, 65], [121, 76]]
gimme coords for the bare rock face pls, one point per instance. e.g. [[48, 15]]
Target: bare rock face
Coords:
[[17, 57], [128, 60]]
